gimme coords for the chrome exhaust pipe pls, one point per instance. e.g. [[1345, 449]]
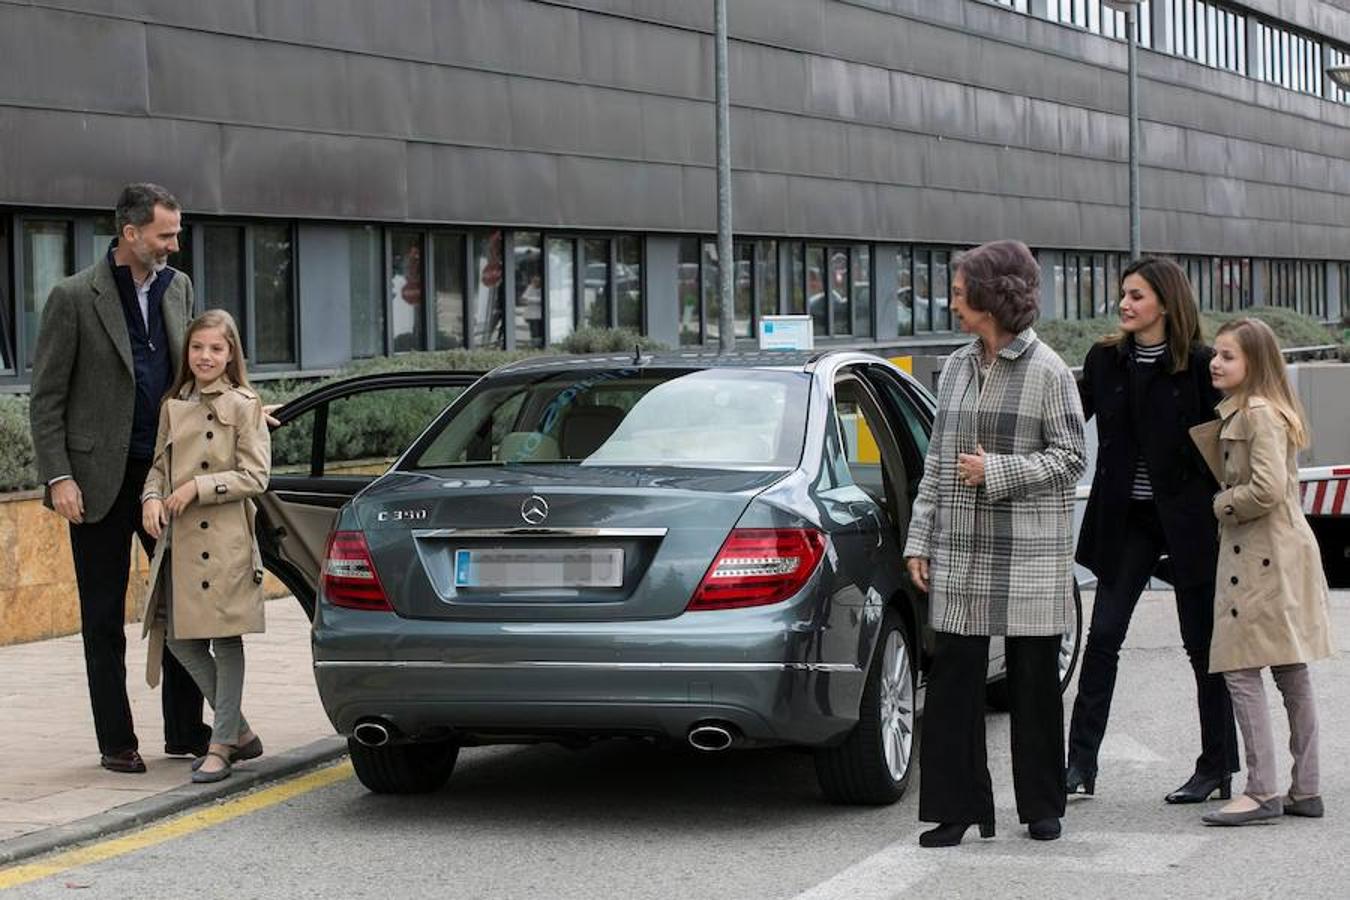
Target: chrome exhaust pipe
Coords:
[[371, 733], [710, 737]]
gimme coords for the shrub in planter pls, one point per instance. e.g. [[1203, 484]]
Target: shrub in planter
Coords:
[[17, 469]]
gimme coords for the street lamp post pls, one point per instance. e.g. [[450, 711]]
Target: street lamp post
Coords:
[[1131, 10], [726, 335]]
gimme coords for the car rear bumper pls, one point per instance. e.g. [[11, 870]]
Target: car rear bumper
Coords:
[[763, 676]]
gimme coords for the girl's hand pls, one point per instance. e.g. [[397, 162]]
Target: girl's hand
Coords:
[[182, 498], [970, 467], [153, 519], [918, 572]]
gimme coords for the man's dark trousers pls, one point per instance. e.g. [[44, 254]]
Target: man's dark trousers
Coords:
[[102, 552]]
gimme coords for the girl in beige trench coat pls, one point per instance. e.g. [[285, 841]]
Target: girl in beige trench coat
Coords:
[[1270, 602], [213, 455]]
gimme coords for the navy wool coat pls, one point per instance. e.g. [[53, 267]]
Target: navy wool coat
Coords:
[[1149, 409], [1001, 554]]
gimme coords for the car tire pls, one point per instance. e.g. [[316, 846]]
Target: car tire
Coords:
[[874, 764], [1070, 649], [403, 768]]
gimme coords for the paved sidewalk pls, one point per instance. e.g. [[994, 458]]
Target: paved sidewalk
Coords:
[[49, 771]]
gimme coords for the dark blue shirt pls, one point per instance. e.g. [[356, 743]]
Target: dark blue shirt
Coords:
[[149, 354]]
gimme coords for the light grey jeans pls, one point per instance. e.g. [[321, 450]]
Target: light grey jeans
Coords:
[[221, 679], [1248, 691]]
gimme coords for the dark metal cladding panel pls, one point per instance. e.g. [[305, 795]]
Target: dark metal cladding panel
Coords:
[[674, 12], [236, 80], [845, 90], [511, 36], [962, 166], [399, 27], [897, 211], [759, 203], [1086, 180], [767, 77], [60, 158], [698, 199], [272, 172], [224, 15], [71, 61], [465, 184], [380, 101], [796, 23], [881, 155], [676, 130], [647, 57], [801, 146], [571, 118], [831, 208], [604, 193], [450, 104]]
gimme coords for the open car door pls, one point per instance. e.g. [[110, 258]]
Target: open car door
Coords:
[[332, 442]]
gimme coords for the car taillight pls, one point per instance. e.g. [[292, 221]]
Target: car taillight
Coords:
[[758, 566], [349, 577]]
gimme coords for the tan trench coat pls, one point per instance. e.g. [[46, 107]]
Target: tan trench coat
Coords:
[[1270, 599], [214, 582]]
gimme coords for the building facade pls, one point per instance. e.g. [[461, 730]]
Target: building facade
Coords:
[[364, 178]]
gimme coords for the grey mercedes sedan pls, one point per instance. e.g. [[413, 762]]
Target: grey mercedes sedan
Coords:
[[691, 549]]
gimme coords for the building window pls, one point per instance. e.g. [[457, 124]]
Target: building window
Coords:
[[1288, 58], [47, 258], [923, 321], [561, 280], [595, 289], [1098, 18], [1018, 5], [407, 280], [1208, 33], [447, 283], [365, 257], [1087, 285], [529, 272], [486, 325], [628, 281], [273, 295], [743, 290], [222, 284], [767, 298], [691, 323], [7, 363], [904, 291], [796, 294], [1338, 56]]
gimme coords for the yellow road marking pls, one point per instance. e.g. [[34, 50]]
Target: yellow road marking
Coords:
[[242, 805]]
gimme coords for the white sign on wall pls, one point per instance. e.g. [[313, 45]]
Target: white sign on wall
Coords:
[[786, 333]]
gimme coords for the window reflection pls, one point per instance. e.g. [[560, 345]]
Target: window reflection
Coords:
[[406, 287], [448, 310], [595, 290], [862, 290], [47, 258], [273, 294], [712, 306], [222, 286], [904, 292], [561, 287], [766, 277], [628, 281], [485, 300], [743, 289], [529, 306], [688, 287], [364, 255]]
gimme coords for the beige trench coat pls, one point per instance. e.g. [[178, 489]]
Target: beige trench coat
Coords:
[[214, 579], [1270, 599]]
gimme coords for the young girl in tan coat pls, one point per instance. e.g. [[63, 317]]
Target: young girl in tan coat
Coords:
[[213, 455], [1270, 603]]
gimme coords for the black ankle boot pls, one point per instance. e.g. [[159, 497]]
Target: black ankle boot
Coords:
[[1198, 789], [1076, 781], [1045, 829], [950, 835]]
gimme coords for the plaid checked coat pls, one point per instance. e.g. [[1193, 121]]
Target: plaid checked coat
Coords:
[[1001, 554]]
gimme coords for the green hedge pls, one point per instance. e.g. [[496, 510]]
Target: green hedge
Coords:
[[1072, 340], [17, 470]]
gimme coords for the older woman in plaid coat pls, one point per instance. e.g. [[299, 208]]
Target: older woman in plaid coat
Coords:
[[991, 540]]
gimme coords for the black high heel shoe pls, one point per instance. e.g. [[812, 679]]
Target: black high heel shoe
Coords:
[[1076, 781], [1198, 788], [949, 835]]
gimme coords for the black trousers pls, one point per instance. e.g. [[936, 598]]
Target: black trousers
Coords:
[[102, 553], [1143, 544], [954, 781]]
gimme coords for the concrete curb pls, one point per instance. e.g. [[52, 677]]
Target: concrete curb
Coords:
[[174, 800]]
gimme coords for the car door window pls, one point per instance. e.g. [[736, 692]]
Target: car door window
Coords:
[[913, 422], [869, 449]]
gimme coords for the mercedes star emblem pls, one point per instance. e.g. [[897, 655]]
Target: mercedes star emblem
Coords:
[[534, 510]]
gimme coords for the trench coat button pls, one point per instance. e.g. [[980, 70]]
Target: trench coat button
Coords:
[[206, 554], [206, 524], [210, 418], [1225, 454], [209, 435], [1265, 562], [1234, 613], [205, 465], [1237, 549], [206, 585], [1233, 579]]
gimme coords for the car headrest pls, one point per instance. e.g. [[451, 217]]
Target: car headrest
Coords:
[[586, 428], [527, 446]]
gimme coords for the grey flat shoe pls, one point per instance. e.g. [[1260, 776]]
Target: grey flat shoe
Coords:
[[1308, 807], [1269, 812], [201, 777], [252, 750]]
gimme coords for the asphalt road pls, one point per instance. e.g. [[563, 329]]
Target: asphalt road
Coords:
[[629, 821]]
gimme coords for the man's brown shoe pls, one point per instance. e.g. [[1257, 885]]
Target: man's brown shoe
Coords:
[[128, 762]]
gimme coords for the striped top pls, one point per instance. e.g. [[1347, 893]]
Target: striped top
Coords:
[[1142, 488]]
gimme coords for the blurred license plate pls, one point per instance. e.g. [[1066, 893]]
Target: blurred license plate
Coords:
[[539, 568]]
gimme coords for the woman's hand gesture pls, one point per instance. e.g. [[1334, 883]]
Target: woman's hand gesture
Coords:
[[153, 519], [182, 498], [918, 571]]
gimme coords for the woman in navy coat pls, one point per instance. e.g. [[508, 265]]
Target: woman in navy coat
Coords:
[[1149, 512]]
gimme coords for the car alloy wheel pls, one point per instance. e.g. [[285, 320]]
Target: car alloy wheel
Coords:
[[897, 705]]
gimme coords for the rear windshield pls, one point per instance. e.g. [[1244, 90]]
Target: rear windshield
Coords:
[[712, 418]]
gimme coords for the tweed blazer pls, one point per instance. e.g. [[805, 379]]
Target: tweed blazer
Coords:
[[1001, 554], [84, 383]]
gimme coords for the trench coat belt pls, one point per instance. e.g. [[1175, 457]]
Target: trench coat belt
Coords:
[[154, 656]]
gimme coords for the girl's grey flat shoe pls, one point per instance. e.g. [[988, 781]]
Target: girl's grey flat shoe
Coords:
[[1308, 807], [1268, 812], [202, 777], [252, 750]]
